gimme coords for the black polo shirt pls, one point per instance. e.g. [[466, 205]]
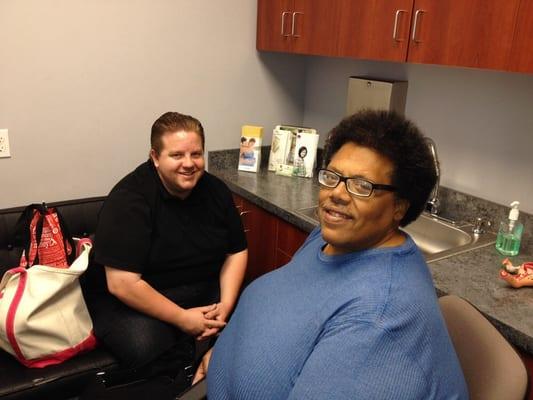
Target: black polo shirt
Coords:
[[169, 241]]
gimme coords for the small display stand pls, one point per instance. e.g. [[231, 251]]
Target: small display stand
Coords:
[[250, 148], [293, 151]]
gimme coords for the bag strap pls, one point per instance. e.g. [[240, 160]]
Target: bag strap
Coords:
[[23, 228], [38, 236], [8, 274], [68, 241]]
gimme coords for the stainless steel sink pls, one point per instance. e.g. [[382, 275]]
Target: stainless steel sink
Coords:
[[437, 238]]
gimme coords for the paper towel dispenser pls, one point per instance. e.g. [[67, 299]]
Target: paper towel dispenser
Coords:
[[375, 94]]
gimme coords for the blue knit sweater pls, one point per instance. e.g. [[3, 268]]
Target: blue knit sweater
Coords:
[[364, 325]]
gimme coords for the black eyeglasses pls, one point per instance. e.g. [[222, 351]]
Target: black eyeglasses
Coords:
[[356, 186]]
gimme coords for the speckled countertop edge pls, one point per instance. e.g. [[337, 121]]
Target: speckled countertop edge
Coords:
[[472, 275]]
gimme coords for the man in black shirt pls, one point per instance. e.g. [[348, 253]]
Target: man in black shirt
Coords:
[[173, 250]]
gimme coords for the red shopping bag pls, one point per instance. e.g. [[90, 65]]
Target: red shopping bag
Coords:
[[46, 238]]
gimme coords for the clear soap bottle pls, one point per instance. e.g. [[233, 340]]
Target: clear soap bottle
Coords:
[[510, 233]]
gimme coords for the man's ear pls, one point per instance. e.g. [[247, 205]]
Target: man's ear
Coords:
[[154, 157], [400, 208]]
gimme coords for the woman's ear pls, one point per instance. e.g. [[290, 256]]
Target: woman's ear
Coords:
[[400, 208]]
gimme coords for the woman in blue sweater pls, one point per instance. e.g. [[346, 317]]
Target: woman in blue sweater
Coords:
[[354, 315]]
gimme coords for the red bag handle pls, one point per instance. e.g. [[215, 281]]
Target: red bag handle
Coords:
[[23, 231]]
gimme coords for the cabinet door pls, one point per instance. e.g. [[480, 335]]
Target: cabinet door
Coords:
[[375, 29], [521, 58], [260, 227], [528, 361], [274, 19], [314, 27], [288, 241], [271, 241], [238, 200], [473, 33]]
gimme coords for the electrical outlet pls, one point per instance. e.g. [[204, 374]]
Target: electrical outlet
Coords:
[[4, 144]]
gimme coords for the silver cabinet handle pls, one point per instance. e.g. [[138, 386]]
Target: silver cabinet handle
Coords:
[[395, 29], [417, 13], [283, 23], [242, 214], [293, 30]]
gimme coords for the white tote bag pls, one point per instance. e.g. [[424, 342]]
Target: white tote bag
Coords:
[[43, 317]]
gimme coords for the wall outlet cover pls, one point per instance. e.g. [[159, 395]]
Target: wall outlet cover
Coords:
[[4, 143]]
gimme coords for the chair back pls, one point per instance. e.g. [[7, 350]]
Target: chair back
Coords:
[[493, 370]]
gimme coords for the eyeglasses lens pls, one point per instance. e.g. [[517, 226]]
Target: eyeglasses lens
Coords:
[[359, 187], [328, 178]]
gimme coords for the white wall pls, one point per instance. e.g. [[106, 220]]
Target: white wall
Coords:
[[81, 83], [482, 121]]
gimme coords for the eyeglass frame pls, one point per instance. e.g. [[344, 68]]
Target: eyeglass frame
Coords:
[[342, 178]]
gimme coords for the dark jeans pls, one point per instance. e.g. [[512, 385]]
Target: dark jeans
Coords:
[[144, 343]]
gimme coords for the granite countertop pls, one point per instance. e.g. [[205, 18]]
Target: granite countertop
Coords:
[[472, 275]]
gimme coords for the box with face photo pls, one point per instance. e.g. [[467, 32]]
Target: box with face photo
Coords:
[[285, 153], [250, 148], [304, 154]]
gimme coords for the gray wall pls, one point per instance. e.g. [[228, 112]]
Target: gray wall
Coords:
[[82, 81], [482, 121]]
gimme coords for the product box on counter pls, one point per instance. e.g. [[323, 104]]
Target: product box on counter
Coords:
[[250, 148], [293, 150]]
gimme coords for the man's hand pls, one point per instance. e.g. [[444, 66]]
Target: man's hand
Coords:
[[194, 322], [201, 372], [220, 313]]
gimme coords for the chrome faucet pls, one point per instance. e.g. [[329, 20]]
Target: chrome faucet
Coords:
[[433, 203]]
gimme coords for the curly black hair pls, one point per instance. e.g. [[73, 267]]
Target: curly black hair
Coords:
[[399, 140]]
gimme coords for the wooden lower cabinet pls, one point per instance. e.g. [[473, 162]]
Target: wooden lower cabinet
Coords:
[[271, 241], [288, 241], [528, 360]]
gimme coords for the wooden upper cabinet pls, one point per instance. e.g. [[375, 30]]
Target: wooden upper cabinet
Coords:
[[314, 26], [473, 33], [521, 58], [274, 19], [375, 29], [490, 34], [298, 26]]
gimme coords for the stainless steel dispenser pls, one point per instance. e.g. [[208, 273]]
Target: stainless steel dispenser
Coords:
[[364, 93]]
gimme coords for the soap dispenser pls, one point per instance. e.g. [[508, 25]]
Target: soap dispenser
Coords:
[[510, 233]]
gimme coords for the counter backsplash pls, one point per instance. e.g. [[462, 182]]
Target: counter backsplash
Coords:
[[454, 205], [464, 207]]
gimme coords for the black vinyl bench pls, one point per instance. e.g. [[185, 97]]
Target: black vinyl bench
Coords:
[[58, 381]]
